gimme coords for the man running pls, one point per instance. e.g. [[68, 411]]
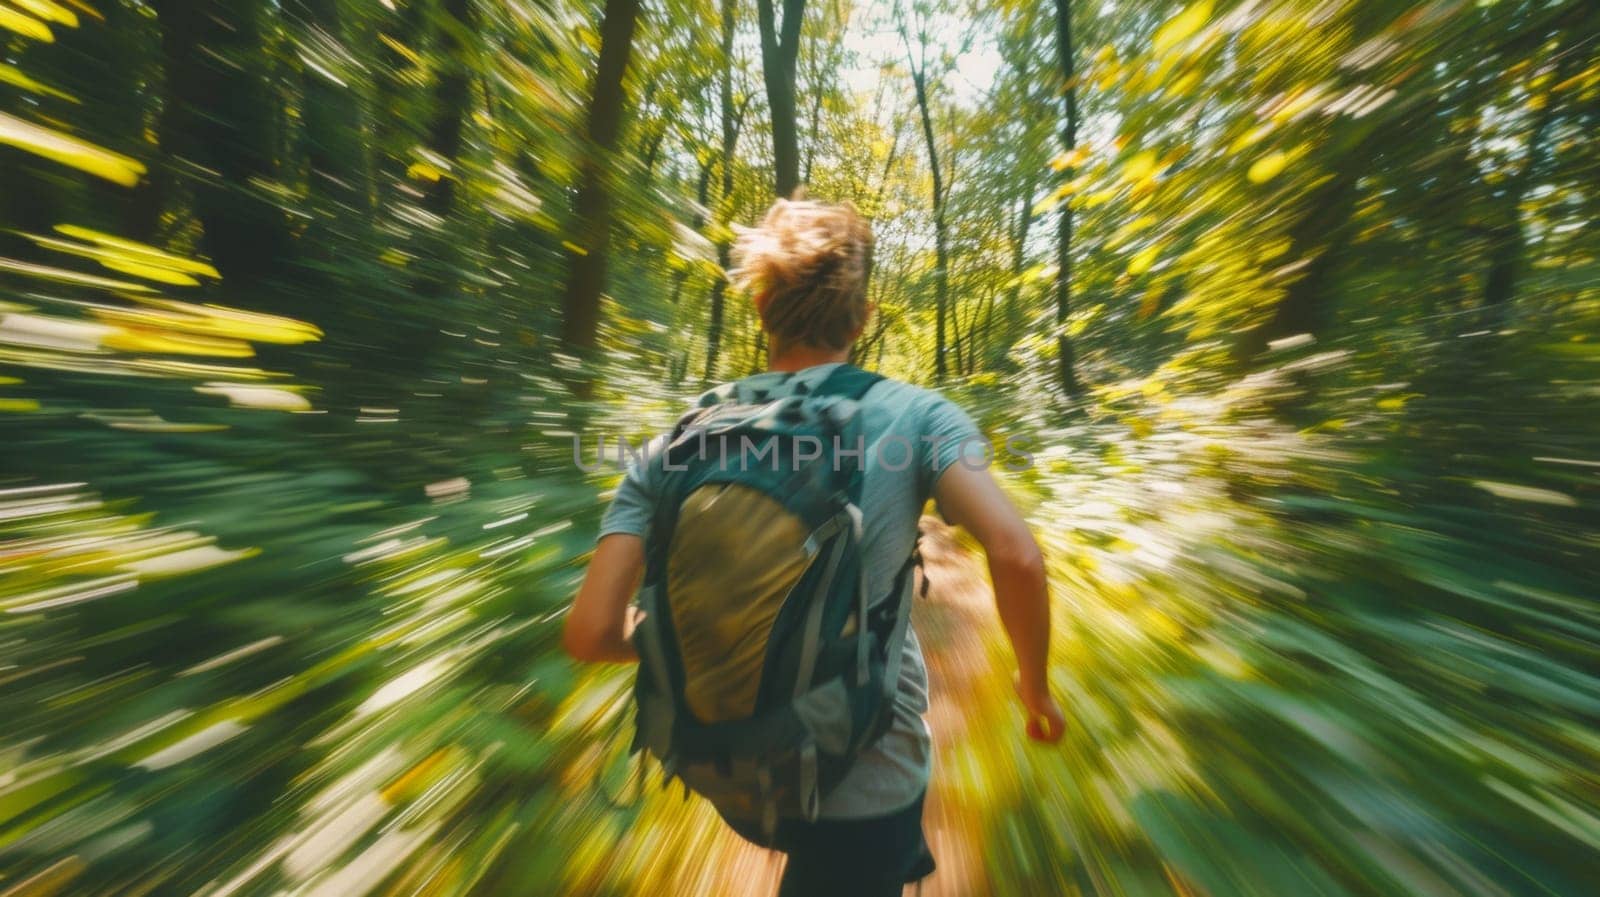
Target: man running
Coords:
[[806, 266]]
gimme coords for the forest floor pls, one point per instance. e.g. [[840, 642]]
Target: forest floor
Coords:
[[950, 622]]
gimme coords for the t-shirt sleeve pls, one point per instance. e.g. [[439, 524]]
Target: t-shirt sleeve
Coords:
[[948, 435], [635, 501]]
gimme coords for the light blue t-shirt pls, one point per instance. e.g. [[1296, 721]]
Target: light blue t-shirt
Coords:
[[912, 435]]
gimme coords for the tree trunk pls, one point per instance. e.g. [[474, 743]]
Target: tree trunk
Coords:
[[1319, 237], [1019, 256], [452, 99], [815, 126], [1067, 374], [779, 52], [1508, 241], [697, 223], [760, 353], [592, 206], [395, 133], [888, 165], [941, 236], [988, 330], [334, 120], [652, 152], [112, 68], [730, 139], [221, 116]]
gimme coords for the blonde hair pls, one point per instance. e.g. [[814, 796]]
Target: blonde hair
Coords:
[[806, 266]]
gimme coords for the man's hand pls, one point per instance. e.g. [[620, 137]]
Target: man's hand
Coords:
[[1046, 722]]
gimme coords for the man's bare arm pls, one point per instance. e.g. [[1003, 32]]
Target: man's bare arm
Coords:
[[600, 622], [972, 500]]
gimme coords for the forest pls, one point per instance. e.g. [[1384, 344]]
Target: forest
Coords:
[[305, 303]]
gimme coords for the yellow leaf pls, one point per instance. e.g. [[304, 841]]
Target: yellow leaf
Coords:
[[48, 11], [166, 342], [83, 7], [1185, 84], [1071, 187], [1250, 138], [252, 325], [138, 260], [1592, 73], [1274, 249], [69, 151], [19, 405], [1267, 167], [1142, 260], [13, 76], [216, 321], [143, 251], [1181, 27], [1396, 403], [1097, 198], [1125, 232], [416, 780], [423, 171], [1067, 160], [25, 25], [1164, 68], [1140, 166], [405, 52], [149, 272]]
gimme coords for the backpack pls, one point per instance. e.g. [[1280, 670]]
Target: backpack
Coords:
[[765, 666]]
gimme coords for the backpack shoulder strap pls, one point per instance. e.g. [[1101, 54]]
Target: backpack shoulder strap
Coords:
[[900, 604], [725, 392], [848, 381]]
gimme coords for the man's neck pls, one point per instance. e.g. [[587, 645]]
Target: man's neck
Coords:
[[802, 357]]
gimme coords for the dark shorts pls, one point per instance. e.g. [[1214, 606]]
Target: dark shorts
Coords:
[[849, 857]]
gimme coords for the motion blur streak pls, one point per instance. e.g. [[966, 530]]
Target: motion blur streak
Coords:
[[303, 303]]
